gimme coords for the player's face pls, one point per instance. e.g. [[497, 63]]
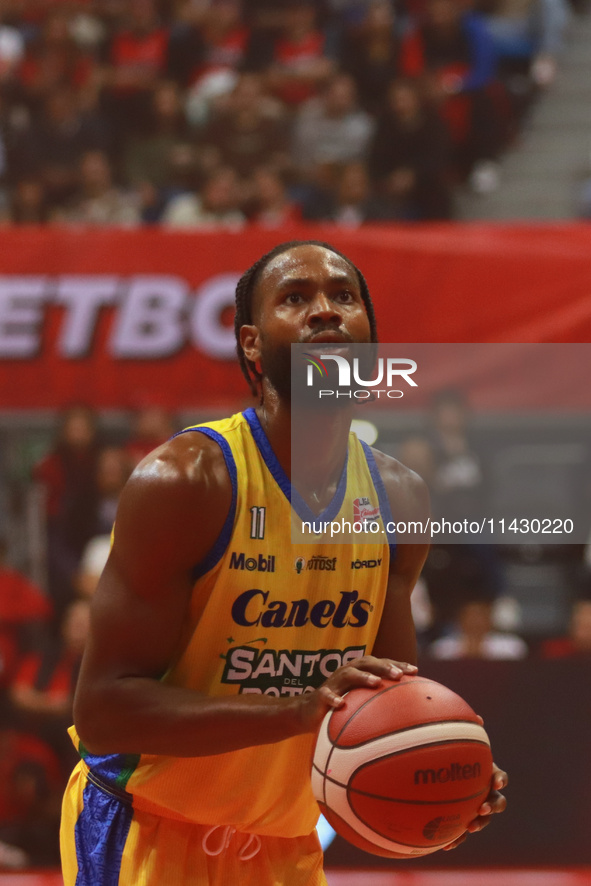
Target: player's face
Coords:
[[310, 294], [305, 295]]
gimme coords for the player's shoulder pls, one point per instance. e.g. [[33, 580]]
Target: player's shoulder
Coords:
[[185, 478], [187, 459], [405, 488]]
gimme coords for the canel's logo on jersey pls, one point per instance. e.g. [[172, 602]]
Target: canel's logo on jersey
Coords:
[[253, 607], [388, 370], [260, 563]]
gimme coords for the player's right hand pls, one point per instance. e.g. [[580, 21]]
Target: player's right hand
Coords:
[[366, 672]]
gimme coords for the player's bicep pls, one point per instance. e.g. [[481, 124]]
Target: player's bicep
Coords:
[[134, 633], [168, 520]]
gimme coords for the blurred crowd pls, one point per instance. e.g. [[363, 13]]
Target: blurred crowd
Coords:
[[43, 629], [462, 605], [201, 113]]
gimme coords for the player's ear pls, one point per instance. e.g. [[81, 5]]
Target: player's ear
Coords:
[[250, 340]]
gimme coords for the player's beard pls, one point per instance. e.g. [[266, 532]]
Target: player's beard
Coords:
[[276, 369]]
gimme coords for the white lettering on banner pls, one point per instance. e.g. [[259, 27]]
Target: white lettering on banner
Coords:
[[21, 315], [151, 320], [209, 335], [155, 315], [83, 297]]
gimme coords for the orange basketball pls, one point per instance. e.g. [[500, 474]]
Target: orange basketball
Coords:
[[401, 770]]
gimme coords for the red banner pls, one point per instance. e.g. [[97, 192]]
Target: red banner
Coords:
[[114, 318]]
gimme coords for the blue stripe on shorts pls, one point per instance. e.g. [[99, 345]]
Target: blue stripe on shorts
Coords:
[[100, 834]]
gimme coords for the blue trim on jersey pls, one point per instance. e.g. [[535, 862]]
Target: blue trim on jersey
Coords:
[[269, 457], [385, 509], [297, 502], [215, 554], [100, 834]]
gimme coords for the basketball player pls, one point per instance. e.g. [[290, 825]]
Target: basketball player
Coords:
[[216, 646]]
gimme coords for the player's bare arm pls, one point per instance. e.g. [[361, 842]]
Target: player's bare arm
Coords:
[[408, 496], [170, 515]]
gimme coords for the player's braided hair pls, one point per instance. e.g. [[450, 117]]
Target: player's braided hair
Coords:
[[245, 290]]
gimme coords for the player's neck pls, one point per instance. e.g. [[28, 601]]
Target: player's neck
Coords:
[[311, 452]]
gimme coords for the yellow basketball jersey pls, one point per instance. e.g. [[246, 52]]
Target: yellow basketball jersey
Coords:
[[267, 616]]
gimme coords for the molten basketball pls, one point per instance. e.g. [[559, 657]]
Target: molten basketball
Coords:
[[401, 770]]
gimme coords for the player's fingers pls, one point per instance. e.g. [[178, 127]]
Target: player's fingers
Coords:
[[496, 803], [344, 679], [351, 677], [385, 667], [455, 843], [500, 778], [405, 667], [330, 697], [478, 824]]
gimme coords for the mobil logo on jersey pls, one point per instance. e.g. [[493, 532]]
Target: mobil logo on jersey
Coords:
[[355, 372], [259, 563]]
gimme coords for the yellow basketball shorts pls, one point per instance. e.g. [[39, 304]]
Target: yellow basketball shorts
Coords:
[[105, 841]]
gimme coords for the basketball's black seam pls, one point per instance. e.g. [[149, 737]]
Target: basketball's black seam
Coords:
[[439, 802], [372, 697], [408, 729]]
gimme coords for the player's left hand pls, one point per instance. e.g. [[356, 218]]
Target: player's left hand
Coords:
[[495, 802]]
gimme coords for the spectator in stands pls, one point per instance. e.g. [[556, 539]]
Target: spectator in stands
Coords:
[[458, 481], [458, 489], [31, 787], [249, 130], [98, 201], [147, 157], [331, 128], [218, 205], [532, 31], [43, 688], [11, 131], [150, 158], [189, 166], [577, 642], [473, 636], [138, 59], [54, 145], [112, 473], [352, 203], [453, 54], [68, 475], [370, 52], [12, 51], [209, 54], [24, 614], [151, 427], [54, 61], [299, 66], [28, 203], [93, 561], [410, 157], [270, 204]]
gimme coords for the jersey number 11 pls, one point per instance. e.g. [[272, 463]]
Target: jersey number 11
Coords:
[[257, 522]]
